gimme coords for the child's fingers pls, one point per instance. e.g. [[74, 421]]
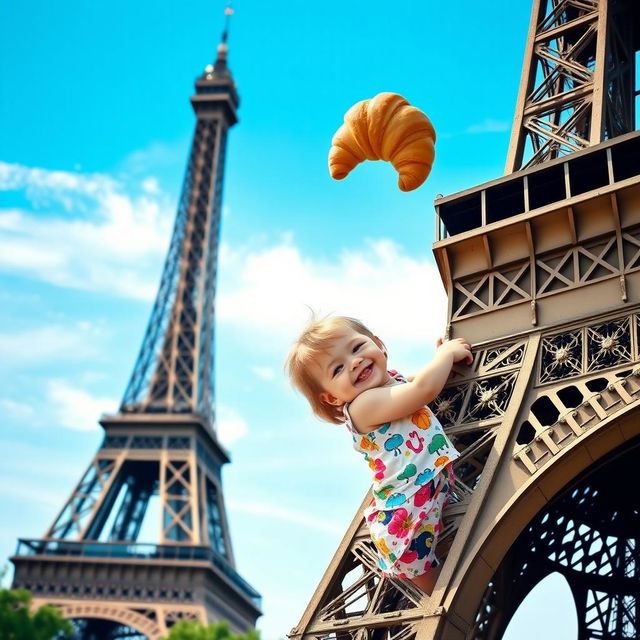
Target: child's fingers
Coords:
[[439, 341], [468, 356]]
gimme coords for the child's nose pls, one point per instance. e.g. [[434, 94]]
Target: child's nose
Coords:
[[356, 362]]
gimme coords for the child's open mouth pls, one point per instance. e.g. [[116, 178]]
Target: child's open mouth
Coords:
[[365, 373]]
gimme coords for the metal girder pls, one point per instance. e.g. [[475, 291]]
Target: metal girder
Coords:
[[545, 282], [578, 79], [174, 370], [112, 563]]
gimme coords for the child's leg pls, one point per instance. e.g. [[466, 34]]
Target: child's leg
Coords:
[[427, 581]]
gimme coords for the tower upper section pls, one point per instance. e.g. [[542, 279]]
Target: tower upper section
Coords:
[[216, 90], [579, 83], [174, 372]]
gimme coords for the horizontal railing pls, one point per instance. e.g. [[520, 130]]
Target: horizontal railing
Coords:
[[137, 551], [550, 184]]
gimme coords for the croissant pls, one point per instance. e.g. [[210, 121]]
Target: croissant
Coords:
[[385, 127]]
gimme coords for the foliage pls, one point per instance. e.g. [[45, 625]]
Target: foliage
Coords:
[[192, 630], [18, 622]]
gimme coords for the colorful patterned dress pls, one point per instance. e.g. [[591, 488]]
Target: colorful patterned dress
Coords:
[[412, 479]]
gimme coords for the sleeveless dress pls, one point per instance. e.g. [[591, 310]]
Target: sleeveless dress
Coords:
[[411, 460]]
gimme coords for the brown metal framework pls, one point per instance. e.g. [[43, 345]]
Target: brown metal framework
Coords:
[[542, 271], [589, 536], [174, 370], [578, 79], [161, 449], [551, 299]]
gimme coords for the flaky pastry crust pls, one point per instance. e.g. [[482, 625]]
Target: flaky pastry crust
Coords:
[[385, 127]]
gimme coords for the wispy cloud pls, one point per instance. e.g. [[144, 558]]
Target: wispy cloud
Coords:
[[264, 373], [269, 291], [32, 495], [85, 231], [230, 425], [264, 509], [75, 408], [17, 410], [157, 157], [49, 343], [19, 458]]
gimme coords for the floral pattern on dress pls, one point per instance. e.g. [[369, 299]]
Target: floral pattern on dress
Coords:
[[412, 479]]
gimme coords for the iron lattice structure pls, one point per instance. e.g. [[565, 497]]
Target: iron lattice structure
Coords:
[[542, 272], [143, 540], [578, 79], [174, 370], [589, 536]]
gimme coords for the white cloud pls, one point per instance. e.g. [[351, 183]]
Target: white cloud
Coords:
[[33, 460], [75, 408], [94, 236], [230, 425], [264, 373], [48, 343], [157, 157], [268, 292], [150, 185]]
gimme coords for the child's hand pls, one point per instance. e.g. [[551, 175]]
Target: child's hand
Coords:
[[459, 348], [386, 403]]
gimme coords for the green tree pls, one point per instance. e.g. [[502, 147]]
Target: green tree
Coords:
[[192, 630], [18, 622]]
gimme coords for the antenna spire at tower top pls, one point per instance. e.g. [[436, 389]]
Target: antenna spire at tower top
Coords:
[[223, 47], [228, 12]]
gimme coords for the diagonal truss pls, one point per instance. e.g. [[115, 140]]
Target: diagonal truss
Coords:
[[588, 536], [143, 541], [578, 79], [353, 602], [174, 369]]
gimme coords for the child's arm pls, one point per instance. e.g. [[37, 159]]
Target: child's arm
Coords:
[[384, 404]]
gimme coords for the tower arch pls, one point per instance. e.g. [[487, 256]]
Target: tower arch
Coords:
[[589, 534], [121, 615]]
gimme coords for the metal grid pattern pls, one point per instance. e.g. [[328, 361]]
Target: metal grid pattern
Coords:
[[588, 535], [174, 370], [570, 267], [99, 562], [358, 604], [578, 79]]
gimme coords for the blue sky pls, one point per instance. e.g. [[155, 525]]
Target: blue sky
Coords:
[[95, 124]]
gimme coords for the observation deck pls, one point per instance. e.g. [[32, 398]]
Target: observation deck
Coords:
[[569, 227]]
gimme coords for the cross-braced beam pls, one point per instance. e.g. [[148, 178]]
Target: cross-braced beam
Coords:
[[578, 79]]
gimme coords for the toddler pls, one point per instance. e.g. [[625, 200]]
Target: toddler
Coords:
[[341, 368]]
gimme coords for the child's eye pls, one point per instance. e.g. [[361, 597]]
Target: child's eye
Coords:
[[337, 370], [357, 346]]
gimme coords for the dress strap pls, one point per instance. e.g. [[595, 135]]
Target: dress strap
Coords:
[[347, 418]]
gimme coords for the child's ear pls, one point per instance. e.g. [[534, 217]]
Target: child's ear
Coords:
[[327, 398]]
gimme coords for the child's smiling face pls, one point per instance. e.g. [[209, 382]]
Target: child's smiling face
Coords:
[[353, 363]]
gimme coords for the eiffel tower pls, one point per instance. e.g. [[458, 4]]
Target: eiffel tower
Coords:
[[542, 272], [159, 465]]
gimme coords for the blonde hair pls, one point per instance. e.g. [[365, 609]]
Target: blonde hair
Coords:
[[314, 340]]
